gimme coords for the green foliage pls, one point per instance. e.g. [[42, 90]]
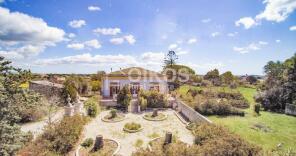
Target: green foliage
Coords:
[[257, 108], [216, 140], [98, 76], [96, 85], [113, 113], [139, 143], [12, 97], [92, 106], [132, 126], [143, 103], [87, 143], [57, 139], [75, 85], [227, 77], [124, 97], [214, 77], [213, 107], [154, 99]]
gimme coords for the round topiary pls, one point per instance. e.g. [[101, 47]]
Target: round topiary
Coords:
[[152, 117], [132, 127]]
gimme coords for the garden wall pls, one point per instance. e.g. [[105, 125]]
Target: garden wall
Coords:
[[190, 113], [290, 109], [47, 89]]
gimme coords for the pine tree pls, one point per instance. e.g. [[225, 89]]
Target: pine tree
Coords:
[[11, 96]]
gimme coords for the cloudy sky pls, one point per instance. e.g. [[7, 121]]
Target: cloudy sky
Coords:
[[84, 36]]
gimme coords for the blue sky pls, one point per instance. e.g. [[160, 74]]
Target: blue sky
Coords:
[[84, 36]]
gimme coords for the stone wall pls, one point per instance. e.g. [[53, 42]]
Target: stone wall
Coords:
[[47, 89], [190, 113], [290, 109]]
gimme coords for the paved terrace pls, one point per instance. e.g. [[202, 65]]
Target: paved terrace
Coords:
[[128, 140]]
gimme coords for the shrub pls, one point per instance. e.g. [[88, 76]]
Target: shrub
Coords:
[[132, 126], [92, 106], [87, 142], [214, 107], [156, 100], [216, 140], [257, 108], [143, 103], [58, 138], [113, 113], [124, 97], [243, 103], [95, 85]]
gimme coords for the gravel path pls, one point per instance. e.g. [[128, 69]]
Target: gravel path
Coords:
[[128, 140], [37, 127]]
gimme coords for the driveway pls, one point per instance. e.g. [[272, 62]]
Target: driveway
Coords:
[[128, 140], [37, 127]]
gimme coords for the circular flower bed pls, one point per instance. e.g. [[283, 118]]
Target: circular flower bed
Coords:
[[132, 127], [159, 117], [109, 148], [191, 126], [113, 116]]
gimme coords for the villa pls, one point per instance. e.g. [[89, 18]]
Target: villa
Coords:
[[136, 78]]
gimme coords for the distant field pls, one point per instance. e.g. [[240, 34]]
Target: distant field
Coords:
[[282, 128]]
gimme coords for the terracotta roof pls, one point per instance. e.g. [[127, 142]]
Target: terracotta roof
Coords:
[[135, 71]]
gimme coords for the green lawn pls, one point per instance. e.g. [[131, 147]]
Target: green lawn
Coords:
[[282, 127]]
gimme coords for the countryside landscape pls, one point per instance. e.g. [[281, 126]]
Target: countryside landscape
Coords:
[[148, 78]]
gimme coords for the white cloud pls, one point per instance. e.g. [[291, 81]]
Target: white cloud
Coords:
[[89, 59], [204, 67], [76, 46], [277, 10], [118, 40], [247, 22], [172, 46], [107, 31], [130, 39], [293, 28], [182, 52], [94, 8], [24, 36], [2, 1], [71, 35], [263, 42], [277, 41], [206, 20], [153, 57], [93, 43], [215, 34], [192, 40], [250, 47], [77, 23], [90, 44], [232, 34]]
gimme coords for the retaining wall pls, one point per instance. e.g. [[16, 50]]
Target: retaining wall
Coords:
[[290, 109], [190, 113]]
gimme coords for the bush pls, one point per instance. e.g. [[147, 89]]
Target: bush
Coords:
[[132, 126], [215, 141], [124, 97], [92, 106], [95, 85], [155, 99], [213, 107], [113, 113], [242, 104], [87, 142], [257, 108], [143, 103], [58, 138]]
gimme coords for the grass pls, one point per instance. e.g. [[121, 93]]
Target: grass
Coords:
[[138, 143], [282, 127]]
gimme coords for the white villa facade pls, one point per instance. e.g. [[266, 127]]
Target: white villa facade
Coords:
[[135, 78]]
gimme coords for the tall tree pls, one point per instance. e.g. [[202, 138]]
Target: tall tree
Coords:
[[11, 97], [170, 58], [227, 77]]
